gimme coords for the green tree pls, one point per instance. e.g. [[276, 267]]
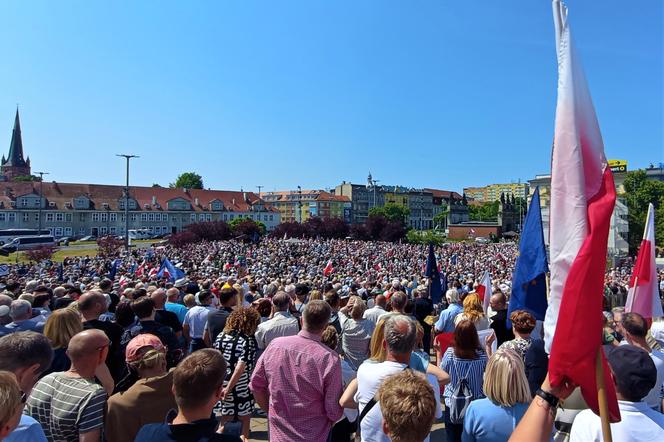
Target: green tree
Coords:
[[188, 180], [639, 192], [484, 212], [391, 212], [440, 219], [24, 178]]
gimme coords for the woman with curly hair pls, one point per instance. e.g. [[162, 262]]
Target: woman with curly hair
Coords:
[[523, 324], [238, 345], [473, 311]]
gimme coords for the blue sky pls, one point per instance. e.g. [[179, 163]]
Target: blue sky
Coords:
[[421, 93]]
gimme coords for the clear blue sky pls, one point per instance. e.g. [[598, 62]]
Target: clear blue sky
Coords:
[[284, 93]]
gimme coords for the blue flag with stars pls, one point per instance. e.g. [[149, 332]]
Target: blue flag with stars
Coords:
[[431, 272], [529, 279]]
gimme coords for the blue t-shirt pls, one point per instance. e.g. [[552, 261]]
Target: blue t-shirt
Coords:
[[488, 422], [203, 430], [179, 309], [445, 323], [28, 430]]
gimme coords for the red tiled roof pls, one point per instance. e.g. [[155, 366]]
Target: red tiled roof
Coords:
[[444, 193], [99, 194]]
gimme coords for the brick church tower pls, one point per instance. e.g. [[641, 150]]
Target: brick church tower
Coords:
[[14, 165]]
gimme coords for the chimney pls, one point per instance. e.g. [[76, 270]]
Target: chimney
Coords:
[[233, 201], [196, 202], [154, 200], [244, 196]]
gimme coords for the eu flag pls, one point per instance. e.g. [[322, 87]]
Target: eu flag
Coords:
[[529, 279], [114, 269], [431, 272]]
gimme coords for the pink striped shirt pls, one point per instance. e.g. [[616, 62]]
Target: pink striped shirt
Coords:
[[303, 380]]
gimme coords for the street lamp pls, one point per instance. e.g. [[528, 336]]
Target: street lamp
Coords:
[[299, 204], [126, 199], [41, 198]]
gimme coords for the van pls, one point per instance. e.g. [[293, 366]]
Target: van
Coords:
[[29, 242]]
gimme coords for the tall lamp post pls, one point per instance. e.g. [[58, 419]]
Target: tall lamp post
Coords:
[[126, 199], [299, 203], [41, 198]]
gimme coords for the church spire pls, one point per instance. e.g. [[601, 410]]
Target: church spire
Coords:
[[15, 157]]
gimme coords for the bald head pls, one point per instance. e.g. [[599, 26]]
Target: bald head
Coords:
[[381, 301], [159, 298], [172, 294], [86, 345], [92, 303]]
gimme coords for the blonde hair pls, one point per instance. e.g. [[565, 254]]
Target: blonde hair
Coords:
[[472, 308], [10, 397], [359, 307], [377, 352], [189, 300], [330, 337], [150, 358], [505, 381], [315, 295], [61, 326], [408, 405]]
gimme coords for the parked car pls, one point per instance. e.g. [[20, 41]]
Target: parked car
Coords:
[[64, 241], [89, 238], [28, 242]]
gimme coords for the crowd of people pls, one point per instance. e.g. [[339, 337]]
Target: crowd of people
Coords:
[[329, 340]]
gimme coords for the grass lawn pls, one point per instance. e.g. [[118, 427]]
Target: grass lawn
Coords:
[[57, 256]]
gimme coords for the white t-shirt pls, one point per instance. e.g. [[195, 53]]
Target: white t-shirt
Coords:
[[654, 398], [639, 423], [370, 376]]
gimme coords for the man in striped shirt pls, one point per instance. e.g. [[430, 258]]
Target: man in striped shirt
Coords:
[[70, 405]]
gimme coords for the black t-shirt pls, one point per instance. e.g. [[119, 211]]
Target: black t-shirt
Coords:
[[217, 322], [423, 308], [115, 358], [168, 318], [499, 325]]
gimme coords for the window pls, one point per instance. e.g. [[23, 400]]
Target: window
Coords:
[[164, 229], [201, 217], [164, 217], [81, 216], [3, 217], [112, 217], [11, 216], [134, 216], [231, 216], [150, 216], [24, 202], [36, 203], [225, 217], [59, 217], [208, 217], [271, 217], [157, 216], [67, 231], [68, 217], [102, 231], [95, 217], [144, 216], [112, 230], [50, 217], [193, 217], [103, 216], [58, 231], [26, 217], [81, 231]]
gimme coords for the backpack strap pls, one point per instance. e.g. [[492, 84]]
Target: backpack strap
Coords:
[[373, 401]]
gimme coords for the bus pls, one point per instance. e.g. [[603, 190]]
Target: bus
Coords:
[[28, 242], [139, 234], [6, 235]]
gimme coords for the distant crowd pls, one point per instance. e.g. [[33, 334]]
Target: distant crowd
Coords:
[[330, 340]]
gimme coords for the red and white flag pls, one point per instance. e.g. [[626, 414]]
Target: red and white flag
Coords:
[[582, 200], [327, 271], [484, 290], [643, 294]]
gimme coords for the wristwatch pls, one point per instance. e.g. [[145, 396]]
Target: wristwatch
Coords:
[[549, 398]]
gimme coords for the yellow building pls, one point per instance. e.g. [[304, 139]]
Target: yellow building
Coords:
[[300, 205], [492, 192]]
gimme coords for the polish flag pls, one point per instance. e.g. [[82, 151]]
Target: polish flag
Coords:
[[582, 200], [484, 290], [153, 272], [643, 294], [327, 271]]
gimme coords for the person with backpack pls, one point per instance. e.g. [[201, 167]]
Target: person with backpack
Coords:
[[465, 362]]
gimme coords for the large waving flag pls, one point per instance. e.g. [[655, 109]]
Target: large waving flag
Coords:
[[643, 294], [529, 279], [582, 200], [432, 272], [327, 271]]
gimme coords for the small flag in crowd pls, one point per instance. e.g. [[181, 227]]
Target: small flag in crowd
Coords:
[[169, 270], [583, 195], [114, 269], [643, 293], [327, 271], [4, 270], [529, 279], [435, 288], [484, 290]]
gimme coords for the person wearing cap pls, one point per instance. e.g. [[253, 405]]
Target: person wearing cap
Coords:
[[301, 293], [147, 401], [634, 375]]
